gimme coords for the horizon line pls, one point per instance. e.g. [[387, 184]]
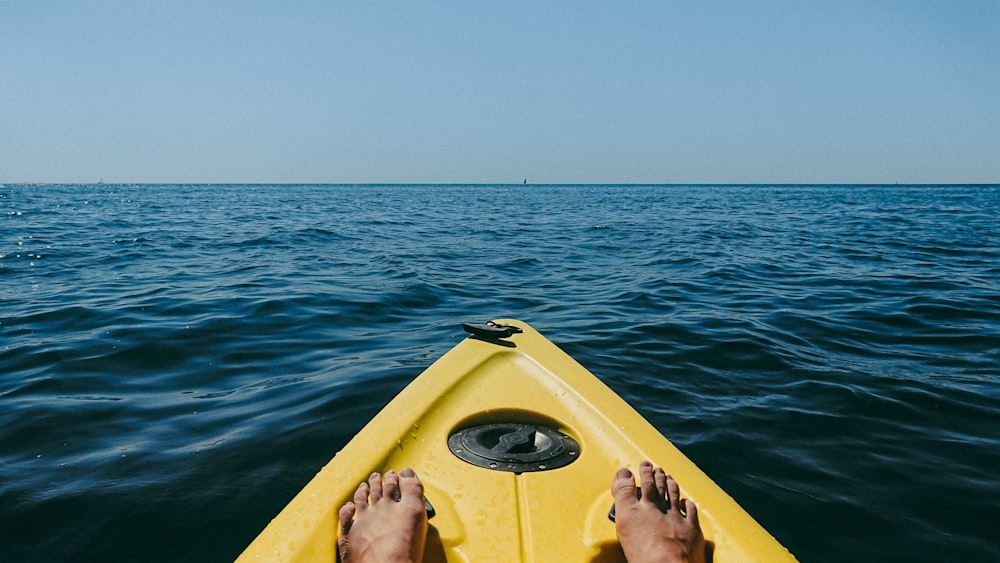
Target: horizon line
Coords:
[[362, 184]]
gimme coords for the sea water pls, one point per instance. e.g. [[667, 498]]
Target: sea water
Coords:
[[176, 361]]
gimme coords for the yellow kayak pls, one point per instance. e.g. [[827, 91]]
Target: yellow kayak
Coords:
[[516, 444]]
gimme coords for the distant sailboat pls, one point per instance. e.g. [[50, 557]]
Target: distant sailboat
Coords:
[[525, 180]]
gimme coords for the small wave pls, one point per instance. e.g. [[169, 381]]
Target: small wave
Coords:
[[173, 344]]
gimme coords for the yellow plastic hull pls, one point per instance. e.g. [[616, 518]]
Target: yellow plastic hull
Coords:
[[485, 515]]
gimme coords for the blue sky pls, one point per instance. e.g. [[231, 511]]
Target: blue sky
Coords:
[[560, 92]]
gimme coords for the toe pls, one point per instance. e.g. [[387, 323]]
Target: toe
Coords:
[[410, 485], [390, 487], [673, 493], [647, 482], [361, 496], [375, 484], [346, 516], [692, 513], [660, 479], [623, 488]]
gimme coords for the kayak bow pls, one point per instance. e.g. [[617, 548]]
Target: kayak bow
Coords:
[[516, 444]]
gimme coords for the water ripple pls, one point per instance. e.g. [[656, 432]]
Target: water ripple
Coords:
[[179, 358]]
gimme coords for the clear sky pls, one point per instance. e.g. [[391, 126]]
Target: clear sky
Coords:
[[474, 91]]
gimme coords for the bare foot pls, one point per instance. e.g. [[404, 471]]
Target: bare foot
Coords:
[[660, 526], [389, 528]]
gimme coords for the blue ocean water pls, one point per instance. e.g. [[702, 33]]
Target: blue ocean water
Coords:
[[176, 361]]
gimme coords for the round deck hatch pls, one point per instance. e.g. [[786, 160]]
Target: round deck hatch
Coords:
[[514, 447]]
